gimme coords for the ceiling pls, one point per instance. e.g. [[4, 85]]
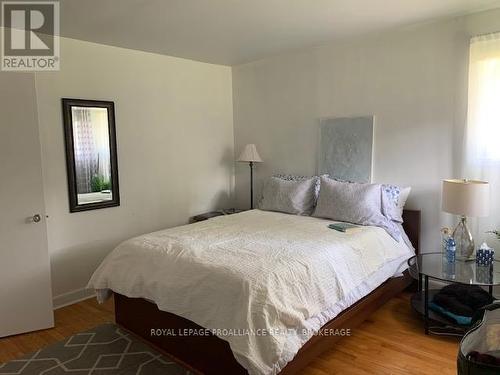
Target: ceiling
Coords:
[[231, 32]]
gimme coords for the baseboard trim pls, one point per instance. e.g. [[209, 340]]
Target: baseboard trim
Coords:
[[72, 297]]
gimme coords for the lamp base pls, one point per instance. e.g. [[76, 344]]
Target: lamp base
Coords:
[[464, 241]]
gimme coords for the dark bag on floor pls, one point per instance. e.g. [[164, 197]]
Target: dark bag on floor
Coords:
[[479, 350], [463, 300]]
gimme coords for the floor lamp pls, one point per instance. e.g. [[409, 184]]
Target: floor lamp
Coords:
[[250, 155]]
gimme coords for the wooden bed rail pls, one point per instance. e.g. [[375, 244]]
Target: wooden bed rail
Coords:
[[411, 225]]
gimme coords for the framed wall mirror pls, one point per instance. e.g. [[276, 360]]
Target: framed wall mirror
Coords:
[[92, 163]]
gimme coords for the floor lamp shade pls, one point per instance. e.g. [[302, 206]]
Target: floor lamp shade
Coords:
[[250, 156], [465, 198]]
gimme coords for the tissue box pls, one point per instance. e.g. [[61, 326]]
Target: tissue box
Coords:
[[484, 257], [484, 275]]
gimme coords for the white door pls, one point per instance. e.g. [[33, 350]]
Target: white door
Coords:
[[25, 295]]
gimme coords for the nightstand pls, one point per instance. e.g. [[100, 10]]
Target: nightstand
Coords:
[[209, 215], [435, 266]]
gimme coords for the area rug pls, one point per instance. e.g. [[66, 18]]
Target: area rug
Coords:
[[104, 350]]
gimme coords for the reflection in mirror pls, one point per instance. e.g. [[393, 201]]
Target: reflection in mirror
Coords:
[[91, 154]]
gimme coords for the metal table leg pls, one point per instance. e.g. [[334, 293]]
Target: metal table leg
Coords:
[[490, 290], [420, 282], [426, 304]]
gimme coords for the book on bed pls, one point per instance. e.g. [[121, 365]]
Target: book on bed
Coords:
[[345, 227]]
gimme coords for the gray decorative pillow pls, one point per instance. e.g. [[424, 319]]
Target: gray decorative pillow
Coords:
[[292, 177], [353, 203], [293, 197]]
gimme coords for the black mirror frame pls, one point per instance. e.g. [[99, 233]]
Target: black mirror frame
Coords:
[[67, 103]]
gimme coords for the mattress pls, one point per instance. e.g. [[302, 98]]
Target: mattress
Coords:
[[263, 281]]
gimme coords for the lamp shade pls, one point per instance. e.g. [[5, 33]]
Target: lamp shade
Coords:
[[250, 153], [466, 197]]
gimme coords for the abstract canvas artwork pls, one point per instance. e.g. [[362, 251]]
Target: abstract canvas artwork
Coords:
[[346, 148]]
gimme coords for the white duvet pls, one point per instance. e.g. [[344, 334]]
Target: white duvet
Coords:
[[271, 280]]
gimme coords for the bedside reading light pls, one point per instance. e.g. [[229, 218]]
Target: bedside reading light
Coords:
[[465, 198]]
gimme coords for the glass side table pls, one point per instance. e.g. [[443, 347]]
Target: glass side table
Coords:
[[435, 266]]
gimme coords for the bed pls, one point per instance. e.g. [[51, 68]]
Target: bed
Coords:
[[271, 292]]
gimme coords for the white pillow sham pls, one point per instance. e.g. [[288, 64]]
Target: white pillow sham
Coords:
[[393, 201]]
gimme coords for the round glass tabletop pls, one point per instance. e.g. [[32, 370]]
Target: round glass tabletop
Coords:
[[436, 265]]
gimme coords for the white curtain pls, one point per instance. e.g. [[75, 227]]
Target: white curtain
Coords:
[[482, 137], [84, 148], [101, 141]]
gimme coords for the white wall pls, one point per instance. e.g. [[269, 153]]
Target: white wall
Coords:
[[174, 127], [174, 120], [413, 80]]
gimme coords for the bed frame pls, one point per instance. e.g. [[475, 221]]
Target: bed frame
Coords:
[[212, 355]]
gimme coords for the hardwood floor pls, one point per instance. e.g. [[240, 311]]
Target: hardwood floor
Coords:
[[390, 342]]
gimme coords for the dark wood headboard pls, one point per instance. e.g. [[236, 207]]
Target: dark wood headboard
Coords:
[[411, 225]]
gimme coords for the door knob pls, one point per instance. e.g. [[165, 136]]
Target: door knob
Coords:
[[36, 218]]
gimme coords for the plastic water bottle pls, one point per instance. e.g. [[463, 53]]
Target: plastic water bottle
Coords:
[[451, 249], [445, 235]]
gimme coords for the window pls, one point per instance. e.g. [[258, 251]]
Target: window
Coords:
[[483, 118]]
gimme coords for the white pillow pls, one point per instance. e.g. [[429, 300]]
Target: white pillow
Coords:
[[393, 201]]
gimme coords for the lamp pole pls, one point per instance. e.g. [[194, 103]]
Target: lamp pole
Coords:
[[251, 156], [251, 184]]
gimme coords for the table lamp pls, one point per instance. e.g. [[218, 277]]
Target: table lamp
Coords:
[[465, 198], [251, 156]]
